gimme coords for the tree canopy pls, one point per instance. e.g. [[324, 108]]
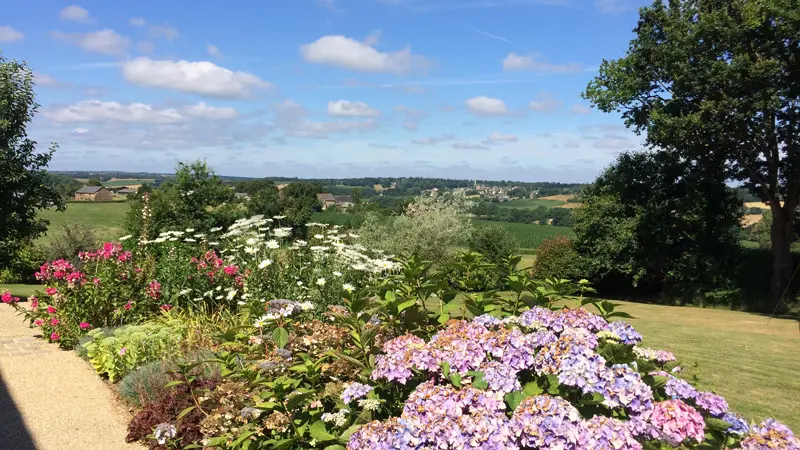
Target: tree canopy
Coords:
[[23, 187], [718, 82]]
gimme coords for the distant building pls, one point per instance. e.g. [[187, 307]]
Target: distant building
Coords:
[[93, 194], [241, 196], [343, 201], [126, 191], [327, 199]]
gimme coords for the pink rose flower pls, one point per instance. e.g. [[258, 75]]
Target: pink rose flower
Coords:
[[84, 325], [38, 322], [51, 291], [51, 310], [54, 321], [34, 302], [54, 336]]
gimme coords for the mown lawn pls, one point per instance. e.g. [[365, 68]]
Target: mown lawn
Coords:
[[105, 219], [20, 290]]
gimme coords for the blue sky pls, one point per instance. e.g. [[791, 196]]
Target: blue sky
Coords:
[[484, 89]]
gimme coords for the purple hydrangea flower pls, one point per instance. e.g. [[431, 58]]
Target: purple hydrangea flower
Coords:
[[578, 318], [543, 421], [627, 334], [677, 388], [624, 387], [711, 403], [444, 417], [394, 434], [355, 391], [537, 317], [606, 433], [738, 424], [401, 355], [487, 320], [500, 377], [770, 434]]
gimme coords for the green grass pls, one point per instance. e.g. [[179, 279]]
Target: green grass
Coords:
[[529, 236], [744, 357], [530, 203], [105, 219], [20, 290], [132, 181]]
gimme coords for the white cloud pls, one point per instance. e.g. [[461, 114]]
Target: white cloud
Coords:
[[344, 108], [74, 13], [434, 140], [534, 62], [200, 77], [105, 41], [46, 80], [580, 110], [350, 54], [411, 117], [8, 34], [544, 103], [293, 120], [155, 31], [496, 138], [612, 142], [487, 106], [80, 131], [100, 111], [213, 50], [145, 47], [468, 146]]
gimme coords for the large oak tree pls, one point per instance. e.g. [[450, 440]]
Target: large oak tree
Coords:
[[718, 82]]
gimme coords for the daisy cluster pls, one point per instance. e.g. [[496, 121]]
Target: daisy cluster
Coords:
[[631, 408]]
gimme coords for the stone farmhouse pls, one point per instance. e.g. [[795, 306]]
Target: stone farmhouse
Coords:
[[93, 194]]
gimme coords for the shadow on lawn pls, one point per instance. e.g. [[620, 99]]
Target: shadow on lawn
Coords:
[[13, 432]]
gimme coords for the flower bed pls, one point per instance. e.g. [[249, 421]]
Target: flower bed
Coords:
[[370, 352]]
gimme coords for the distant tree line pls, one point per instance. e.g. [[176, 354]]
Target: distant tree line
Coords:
[[492, 211]]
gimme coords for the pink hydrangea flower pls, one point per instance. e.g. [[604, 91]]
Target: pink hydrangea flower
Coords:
[[676, 422]]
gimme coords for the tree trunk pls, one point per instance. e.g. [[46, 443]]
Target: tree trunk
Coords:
[[781, 236]]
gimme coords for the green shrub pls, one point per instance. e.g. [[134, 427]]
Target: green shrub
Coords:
[[22, 268], [493, 241], [556, 258], [145, 384], [117, 353], [73, 238]]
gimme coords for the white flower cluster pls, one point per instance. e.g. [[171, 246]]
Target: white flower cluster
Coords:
[[338, 418]]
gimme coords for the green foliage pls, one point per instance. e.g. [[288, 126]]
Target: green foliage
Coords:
[[658, 222], [23, 190], [23, 266], [147, 383], [69, 241], [716, 84], [557, 258], [431, 227], [493, 241], [117, 352], [196, 198]]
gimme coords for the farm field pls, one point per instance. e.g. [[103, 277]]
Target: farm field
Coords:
[[530, 203], [105, 219], [529, 236], [119, 182]]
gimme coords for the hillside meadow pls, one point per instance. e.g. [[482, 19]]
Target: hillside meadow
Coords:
[[105, 219]]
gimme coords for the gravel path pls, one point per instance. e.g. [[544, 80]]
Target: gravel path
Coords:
[[51, 399]]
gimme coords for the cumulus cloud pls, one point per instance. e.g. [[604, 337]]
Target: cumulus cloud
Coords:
[[8, 34], [469, 146], [200, 77], [100, 111], [213, 50], [498, 138], [107, 41], [544, 103], [46, 80], [74, 13], [154, 30], [347, 53], [534, 63], [487, 106], [293, 120], [434, 140], [580, 110], [344, 108]]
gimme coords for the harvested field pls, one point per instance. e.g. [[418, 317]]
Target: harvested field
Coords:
[[558, 198], [750, 219], [569, 205]]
